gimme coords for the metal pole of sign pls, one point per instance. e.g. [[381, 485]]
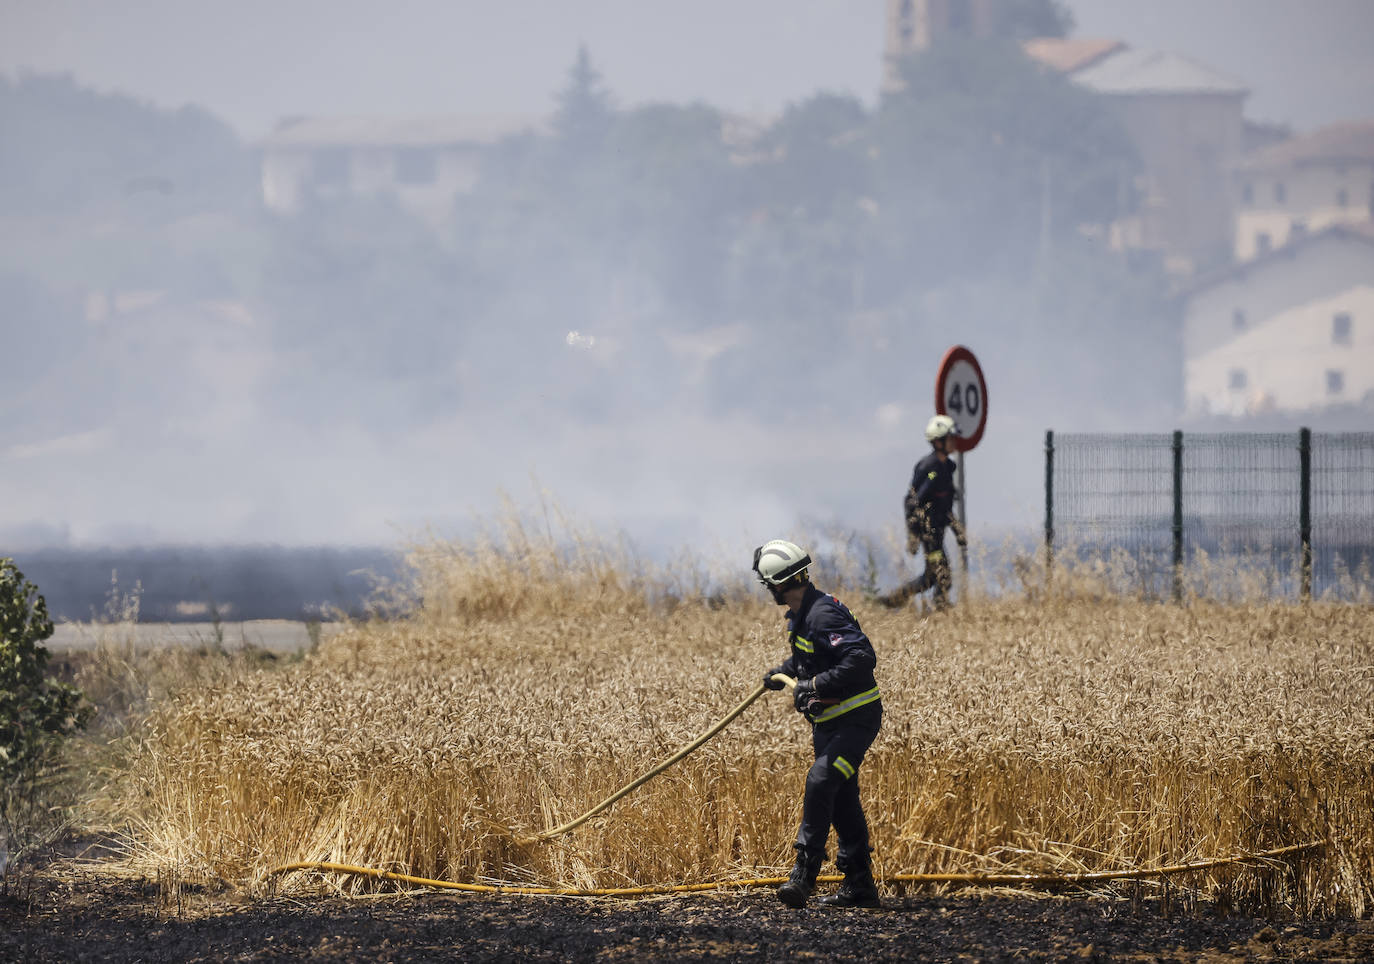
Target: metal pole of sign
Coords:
[[963, 514]]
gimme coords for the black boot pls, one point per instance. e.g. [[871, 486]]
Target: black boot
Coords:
[[898, 597], [801, 881], [858, 888]]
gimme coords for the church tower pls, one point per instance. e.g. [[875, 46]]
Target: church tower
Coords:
[[914, 25]]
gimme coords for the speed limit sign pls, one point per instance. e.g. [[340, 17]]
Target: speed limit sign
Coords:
[[961, 393]]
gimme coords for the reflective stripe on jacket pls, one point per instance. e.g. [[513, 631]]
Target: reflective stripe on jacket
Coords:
[[830, 649]]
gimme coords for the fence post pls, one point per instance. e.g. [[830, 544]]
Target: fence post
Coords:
[[1178, 516], [1305, 509], [1049, 502]]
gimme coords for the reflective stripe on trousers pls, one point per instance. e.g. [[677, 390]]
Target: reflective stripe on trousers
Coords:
[[832, 783]]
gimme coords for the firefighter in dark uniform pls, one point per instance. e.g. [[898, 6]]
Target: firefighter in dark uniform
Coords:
[[929, 510], [832, 662]]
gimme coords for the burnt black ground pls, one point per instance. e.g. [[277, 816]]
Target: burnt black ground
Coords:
[[90, 917]]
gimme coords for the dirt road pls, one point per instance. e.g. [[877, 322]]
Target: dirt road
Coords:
[[277, 635]]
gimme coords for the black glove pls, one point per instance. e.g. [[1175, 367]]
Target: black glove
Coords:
[[960, 536], [770, 683], [803, 695]]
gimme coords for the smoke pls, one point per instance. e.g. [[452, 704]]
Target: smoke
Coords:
[[702, 341]]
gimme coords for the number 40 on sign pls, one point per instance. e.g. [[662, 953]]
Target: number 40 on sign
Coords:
[[962, 394]]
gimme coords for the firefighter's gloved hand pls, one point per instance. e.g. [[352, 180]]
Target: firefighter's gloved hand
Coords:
[[804, 695], [960, 536], [770, 683]]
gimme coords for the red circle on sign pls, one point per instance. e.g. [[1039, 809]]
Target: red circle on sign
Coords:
[[972, 401]]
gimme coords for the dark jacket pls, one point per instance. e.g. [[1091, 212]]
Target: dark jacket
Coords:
[[931, 492], [830, 648]]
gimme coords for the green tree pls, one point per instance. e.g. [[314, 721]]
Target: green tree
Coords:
[[68, 148], [985, 158], [585, 110], [37, 713], [1022, 19], [561, 220], [669, 195], [799, 253], [814, 154], [371, 313]]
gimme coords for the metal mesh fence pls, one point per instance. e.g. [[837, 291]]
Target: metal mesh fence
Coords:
[[1342, 509], [1229, 509], [1114, 494], [1241, 496]]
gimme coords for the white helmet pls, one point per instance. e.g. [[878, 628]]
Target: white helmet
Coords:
[[941, 426], [778, 562]]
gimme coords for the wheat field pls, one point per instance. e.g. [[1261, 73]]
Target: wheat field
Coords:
[[1053, 731]]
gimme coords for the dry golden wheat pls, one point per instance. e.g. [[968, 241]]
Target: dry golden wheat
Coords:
[[1077, 730]]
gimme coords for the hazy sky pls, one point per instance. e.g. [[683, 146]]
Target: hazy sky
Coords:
[[253, 61]]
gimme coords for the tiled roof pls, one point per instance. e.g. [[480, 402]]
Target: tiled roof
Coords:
[[1346, 141], [1361, 231], [1154, 72], [1068, 54], [398, 131]]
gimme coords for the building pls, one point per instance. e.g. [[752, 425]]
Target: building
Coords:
[[1186, 122], [1066, 55], [1290, 330], [423, 162], [1303, 185], [914, 25]]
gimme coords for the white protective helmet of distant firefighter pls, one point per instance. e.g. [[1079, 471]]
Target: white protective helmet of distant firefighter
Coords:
[[778, 562], [941, 426]]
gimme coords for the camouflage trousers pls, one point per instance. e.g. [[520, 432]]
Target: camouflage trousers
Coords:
[[929, 540]]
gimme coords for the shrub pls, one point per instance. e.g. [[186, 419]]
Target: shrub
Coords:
[[37, 714]]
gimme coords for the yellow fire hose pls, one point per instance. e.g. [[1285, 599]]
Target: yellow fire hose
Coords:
[[716, 727], [973, 879]]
